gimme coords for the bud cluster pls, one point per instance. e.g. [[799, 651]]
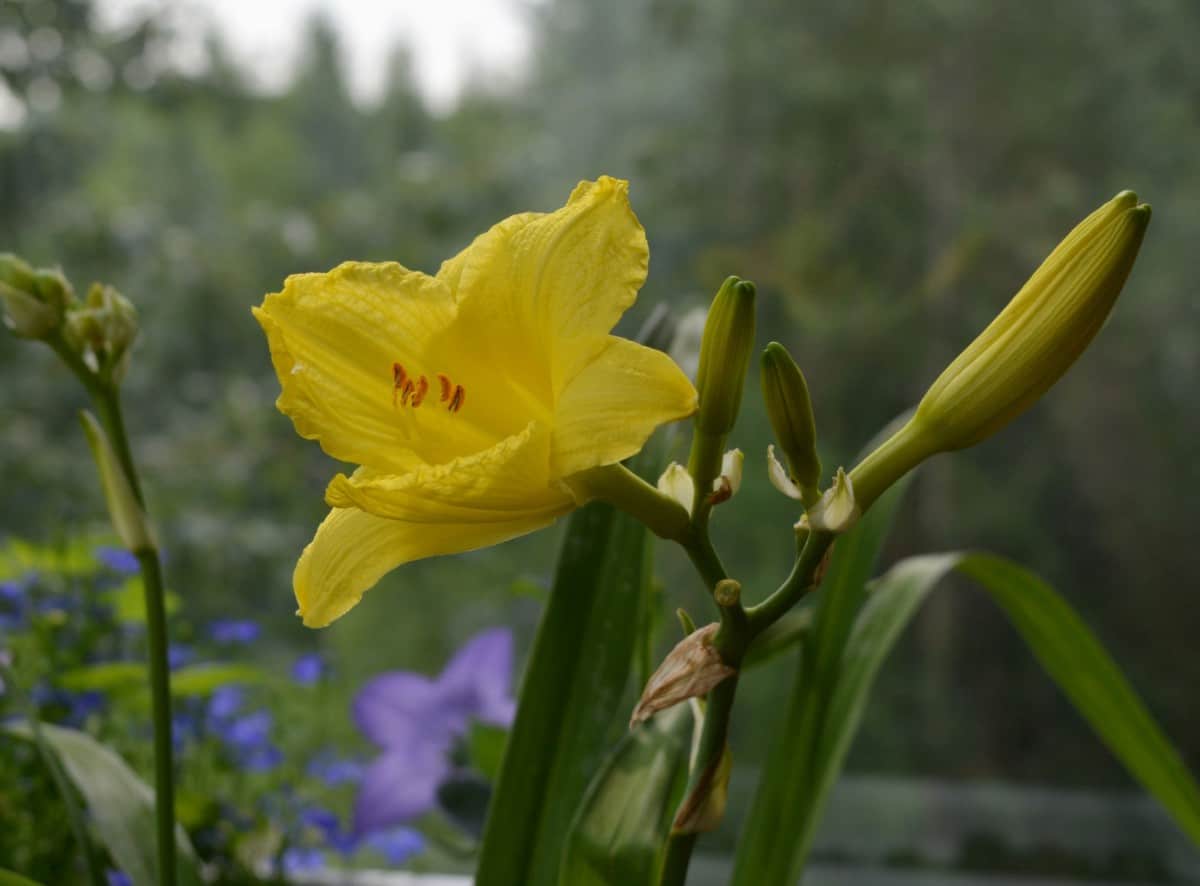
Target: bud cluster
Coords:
[[40, 303]]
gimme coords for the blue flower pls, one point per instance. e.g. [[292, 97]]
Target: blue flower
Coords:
[[13, 592], [260, 759], [299, 859], [184, 728], [225, 702], [178, 655], [248, 738], [415, 720], [118, 878], [232, 630], [249, 732], [117, 559], [334, 770], [397, 845], [308, 669]]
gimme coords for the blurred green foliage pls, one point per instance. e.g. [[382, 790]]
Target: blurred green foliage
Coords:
[[888, 174]]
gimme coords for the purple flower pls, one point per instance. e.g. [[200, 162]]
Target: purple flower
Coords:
[[397, 845], [117, 559], [118, 878], [334, 770], [308, 669], [415, 720], [232, 630]]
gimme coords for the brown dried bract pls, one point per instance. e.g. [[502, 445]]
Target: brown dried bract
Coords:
[[690, 670]]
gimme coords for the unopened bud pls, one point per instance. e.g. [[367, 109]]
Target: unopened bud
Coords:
[[724, 356], [54, 289], [789, 407], [690, 670], [33, 301], [1024, 351], [102, 329]]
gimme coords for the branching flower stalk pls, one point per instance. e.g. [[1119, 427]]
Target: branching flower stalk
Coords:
[[1006, 369], [106, 398], [92, 337]]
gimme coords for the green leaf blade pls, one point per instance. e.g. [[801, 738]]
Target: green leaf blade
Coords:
[[571, 696], [120, 804], [620, 832]]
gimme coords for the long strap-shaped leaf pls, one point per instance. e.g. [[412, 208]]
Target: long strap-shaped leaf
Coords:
[[1061, 642], [120, 804], [570, 697], [620, 831]]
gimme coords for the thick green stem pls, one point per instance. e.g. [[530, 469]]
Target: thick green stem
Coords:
[[108, 405], [799, 583], [704, 464], [160, 696], [621, 487], [739, 628], [679, 855]]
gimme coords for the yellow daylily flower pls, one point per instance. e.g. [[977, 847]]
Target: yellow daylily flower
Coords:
[[474, 399]]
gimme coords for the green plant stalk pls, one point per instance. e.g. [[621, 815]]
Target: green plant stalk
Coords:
[[739, 628], [799, 583], [106, 399], [50, 759]]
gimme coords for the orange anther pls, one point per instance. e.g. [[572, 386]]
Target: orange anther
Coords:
[[399, 377], [406, 392], [447, 387], [457, 400], [422, 390]]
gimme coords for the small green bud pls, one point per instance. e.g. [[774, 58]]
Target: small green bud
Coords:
[[1025, 350], [102, 329], [32, 301], [25, 315], [724, 356], [54, 289], [789, 408], [16, 272]]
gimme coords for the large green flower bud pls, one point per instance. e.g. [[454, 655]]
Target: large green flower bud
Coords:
[[724, 356], [1024, 351]]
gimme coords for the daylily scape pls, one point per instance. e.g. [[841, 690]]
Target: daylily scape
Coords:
[[470, 398]]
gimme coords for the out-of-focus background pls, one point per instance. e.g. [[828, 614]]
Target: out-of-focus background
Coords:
[[888, 174]]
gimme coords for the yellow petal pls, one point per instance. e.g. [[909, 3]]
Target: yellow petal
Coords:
[[352, 550], [540, 292], [609, 409], [333, 340], [509, 478]]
